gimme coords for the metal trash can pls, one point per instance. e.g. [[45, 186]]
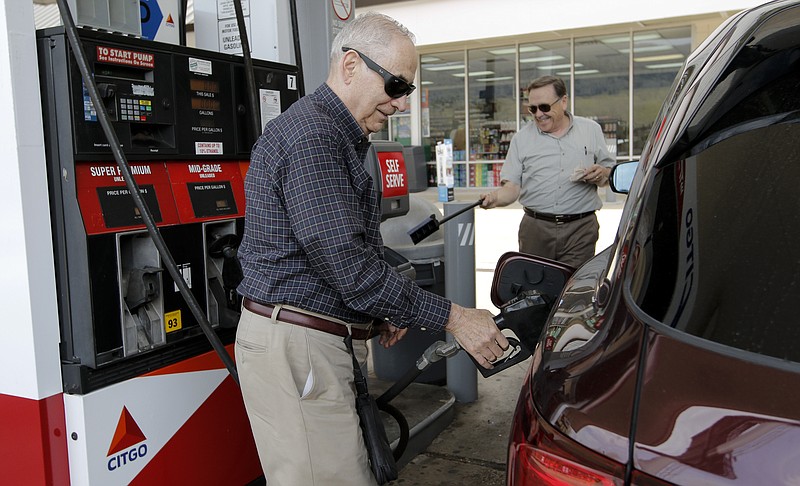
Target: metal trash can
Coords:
[[427, 260]]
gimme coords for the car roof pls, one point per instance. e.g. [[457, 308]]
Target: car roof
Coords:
[[705, 83]]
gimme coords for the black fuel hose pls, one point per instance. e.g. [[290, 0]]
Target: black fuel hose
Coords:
[[434, 353], [383, 404], [133, 188], [301, 86], [249, 73], [402, 423]]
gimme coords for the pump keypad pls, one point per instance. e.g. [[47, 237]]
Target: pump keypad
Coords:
[[132, 109]]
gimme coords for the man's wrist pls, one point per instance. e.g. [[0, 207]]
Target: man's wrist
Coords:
[[455, 317]]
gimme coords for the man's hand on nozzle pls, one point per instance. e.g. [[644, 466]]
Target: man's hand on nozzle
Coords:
[[476, 332]]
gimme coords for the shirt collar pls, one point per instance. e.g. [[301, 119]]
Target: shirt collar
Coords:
[[334, 106]]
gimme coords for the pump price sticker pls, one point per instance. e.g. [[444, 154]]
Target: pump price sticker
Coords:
[[172, 321]]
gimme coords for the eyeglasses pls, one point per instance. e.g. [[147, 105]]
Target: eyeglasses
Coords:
[[544, 107], [394, 86]]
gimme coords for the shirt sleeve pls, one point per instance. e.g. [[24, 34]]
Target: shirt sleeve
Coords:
[[325, 206], [602, 156], [512, 167]]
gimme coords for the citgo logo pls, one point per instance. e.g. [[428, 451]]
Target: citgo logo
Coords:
[[127, 444]]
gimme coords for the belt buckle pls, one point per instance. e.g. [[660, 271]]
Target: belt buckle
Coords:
[[560, 219]]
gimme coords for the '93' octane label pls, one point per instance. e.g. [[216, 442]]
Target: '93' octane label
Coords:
[[172, 321]]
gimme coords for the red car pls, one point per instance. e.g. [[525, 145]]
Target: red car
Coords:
[[673, 357]]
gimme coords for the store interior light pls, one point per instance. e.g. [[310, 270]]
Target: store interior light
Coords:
[[503, 52], [444, 67], [512, 50], [558, 66], [541, 59], [669, 65], [425, 83], [664, 57], [499, 78], [473, 73], [426, 59], [627, 38], [579, 73], [656, 48]]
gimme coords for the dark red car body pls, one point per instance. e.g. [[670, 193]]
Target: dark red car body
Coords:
[[673, 357]]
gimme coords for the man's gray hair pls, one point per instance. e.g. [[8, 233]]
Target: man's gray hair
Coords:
[[371, 33]]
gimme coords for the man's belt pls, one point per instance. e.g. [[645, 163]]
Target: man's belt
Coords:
[[306, 320], [556, 218]]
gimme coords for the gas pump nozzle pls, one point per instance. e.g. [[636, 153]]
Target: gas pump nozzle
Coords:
[[142, 286], [521, 320], [227, 248]]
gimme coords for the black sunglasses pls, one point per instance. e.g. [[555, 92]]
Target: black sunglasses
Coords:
[[544, 107], [394, 86]]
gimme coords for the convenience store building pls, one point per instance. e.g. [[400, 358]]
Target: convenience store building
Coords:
[[618, 60]]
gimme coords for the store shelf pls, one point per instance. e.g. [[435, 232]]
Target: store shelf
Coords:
[[490, 141], [474, 173]]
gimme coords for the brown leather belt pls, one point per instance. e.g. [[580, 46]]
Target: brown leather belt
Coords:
[[556, 218], [306, 320]]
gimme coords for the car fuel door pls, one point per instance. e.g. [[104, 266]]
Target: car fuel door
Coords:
[[525, 288]]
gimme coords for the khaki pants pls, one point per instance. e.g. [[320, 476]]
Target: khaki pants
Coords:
[[297, 385], [571, 243]]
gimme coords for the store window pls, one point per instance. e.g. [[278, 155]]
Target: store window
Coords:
[[542, 59], [397, 129], [658, 55], [491, 83], [383, 133], [441, 94], [492, 95], [602, 87], [401, 127]]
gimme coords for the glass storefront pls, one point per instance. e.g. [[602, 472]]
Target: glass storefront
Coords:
[[550, 58], [602, 87], [442, 101], [657, 57], [492, 101], [476, 97]]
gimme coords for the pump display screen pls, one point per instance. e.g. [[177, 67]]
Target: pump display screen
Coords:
[[120, 210], [205, 104], [196, 84], [204, 94], [212, 199]]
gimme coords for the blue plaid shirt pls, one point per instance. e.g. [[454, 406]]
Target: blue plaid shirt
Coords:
[[312, 223]]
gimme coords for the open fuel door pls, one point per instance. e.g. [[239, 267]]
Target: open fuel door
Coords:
[[524, 288]]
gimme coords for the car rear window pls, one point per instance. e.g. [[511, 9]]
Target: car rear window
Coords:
[[717, 247], [758, 87]]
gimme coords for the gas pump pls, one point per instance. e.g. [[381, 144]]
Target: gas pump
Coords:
[[146, 400]]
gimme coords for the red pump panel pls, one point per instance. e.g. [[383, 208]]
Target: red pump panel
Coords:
[[106, 204], [207, 190]]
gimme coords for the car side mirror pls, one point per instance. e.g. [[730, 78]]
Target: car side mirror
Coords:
[[621, 177]]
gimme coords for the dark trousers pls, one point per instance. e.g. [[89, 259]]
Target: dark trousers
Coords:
[[572, 243]]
